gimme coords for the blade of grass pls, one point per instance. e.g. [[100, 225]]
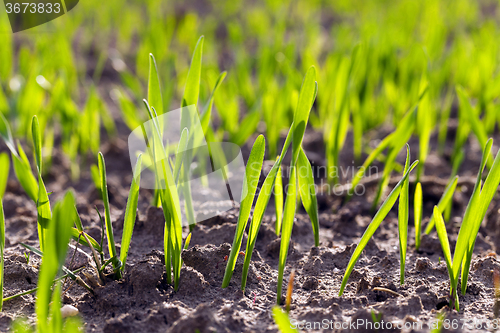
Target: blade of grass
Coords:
[[22, 167], [278, 200], [58, 235], [488, 191], [4, 176], [130, 212], [155, 98], [43, 204], [107, 217], [374, 224], [307, 95], [4, 166], [251, 180], [403, 212], [192, 88], [283, 321], [445, 245], [471, 214], [286, 232], [417, 214], [307, 191], [169, 201], [260, 208], [443, 202]]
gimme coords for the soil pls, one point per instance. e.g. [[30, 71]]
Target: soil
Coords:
[[143, 302]]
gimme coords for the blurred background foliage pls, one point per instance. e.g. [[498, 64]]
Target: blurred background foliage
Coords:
[[89, 68]]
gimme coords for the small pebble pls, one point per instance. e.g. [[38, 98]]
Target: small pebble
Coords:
[[69, 311]]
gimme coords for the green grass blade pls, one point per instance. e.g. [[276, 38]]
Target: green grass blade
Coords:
[[260, 208], [258, 214], [2, 247], [181, 150], [369, 160], [6, 134], [488, 191], [107, 215], [417, 214], [169, 201], [472, 118], [207, 110], [286, 232], [23, 172], [251, 180], [307, 191], [395, 141], [55, 320], [4, 166], [58, 236], [445, 245], [472, 213], [192, 88], [283, 321], [37, 142], [443, 202], [130, 212], [443, 239], [307, 95], [403, 213], [44, 213], [374, 224], [4, 176], [155, 98], [401, 135], [278, 200], [75, 233]]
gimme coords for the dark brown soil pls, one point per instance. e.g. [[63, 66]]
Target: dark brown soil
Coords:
[[143, 302]]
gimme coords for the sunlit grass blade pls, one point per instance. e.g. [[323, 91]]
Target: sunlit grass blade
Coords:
[[473, 119], [278, 200], [307, 192], [2, 247], [443, 202], [207, 110], [251, 180], [374, 224], [487, 193], [395, 138], [286, 232], [402, 134], [307, 96], [260, 208], [4, 166], [4, 176], [22, 167], [403, 213], [58, 235], [107, 217], [283, 321], [130, 212], [190, 97], [472, 213], [6, 133], [180, 153], [169, 201], [155, 98], [445, 245], [417, 214], [192, 88], [43, 204], [76, 235]]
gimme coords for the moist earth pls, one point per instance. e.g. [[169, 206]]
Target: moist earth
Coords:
[[143, 302]]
